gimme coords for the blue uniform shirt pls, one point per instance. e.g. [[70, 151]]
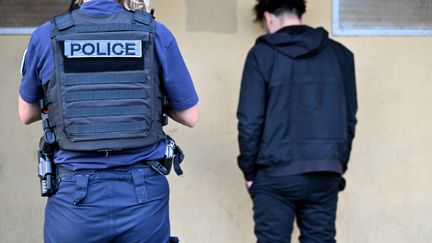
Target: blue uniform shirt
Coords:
[[39, 65]]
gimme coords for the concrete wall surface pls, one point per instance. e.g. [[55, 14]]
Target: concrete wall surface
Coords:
[[388, 198]]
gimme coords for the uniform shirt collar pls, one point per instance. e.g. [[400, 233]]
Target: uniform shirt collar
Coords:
[[101, 7]]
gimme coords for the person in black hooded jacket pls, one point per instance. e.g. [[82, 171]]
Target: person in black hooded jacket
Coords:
[[296, 122]]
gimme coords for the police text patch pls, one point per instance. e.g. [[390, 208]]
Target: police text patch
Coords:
[[102, 48]]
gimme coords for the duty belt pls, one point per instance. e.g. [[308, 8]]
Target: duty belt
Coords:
[[61, 170], [156, 165]]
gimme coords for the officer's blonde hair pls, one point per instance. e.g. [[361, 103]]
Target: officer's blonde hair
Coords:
[[127, 4]]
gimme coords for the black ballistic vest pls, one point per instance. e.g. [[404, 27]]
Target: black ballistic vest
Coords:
[[105, 91]]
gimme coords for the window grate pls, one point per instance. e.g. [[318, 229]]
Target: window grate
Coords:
[[22, 16], [382, 17]]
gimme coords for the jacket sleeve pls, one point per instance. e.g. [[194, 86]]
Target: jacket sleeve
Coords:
[[351, 98], [250, 115]]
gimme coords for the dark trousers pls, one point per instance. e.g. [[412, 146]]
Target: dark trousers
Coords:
[[310, 198], [109, 206]]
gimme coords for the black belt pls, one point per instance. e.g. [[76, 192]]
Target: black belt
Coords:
[[61, 171]]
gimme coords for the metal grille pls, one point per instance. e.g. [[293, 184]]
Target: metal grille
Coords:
[[22, 16], [382, 17]]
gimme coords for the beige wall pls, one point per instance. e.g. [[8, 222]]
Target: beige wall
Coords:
[[389, 194]]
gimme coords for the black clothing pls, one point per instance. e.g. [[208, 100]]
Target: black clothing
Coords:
[[297, 108], [310, 198], [73, 6], [105, 92]]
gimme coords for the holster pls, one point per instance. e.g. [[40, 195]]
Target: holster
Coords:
[[46, 170], [173, 157], [47, 149]]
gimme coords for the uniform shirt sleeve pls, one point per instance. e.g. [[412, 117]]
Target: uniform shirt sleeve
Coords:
[[37, 65], [176, 80], [31, 86], [250, 115]]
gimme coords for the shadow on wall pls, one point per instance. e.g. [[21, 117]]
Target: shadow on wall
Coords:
[[211, 16]]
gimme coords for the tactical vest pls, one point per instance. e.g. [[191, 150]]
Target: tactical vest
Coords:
[[105, 91]]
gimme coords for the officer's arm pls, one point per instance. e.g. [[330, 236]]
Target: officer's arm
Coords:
[[28, 112], [188, 117]]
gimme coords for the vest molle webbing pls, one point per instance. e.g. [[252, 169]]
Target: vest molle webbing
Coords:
[[105, 92]]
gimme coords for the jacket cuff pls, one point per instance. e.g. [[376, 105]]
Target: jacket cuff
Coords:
[[249, 176]]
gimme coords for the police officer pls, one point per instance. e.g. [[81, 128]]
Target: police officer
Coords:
[[296, 122], [102, 72]]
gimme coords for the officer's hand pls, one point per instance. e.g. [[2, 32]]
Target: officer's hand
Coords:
[[249, 184]]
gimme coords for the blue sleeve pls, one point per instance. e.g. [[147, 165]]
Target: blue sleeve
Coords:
[[31, 86], [176, 79], [37, 65]]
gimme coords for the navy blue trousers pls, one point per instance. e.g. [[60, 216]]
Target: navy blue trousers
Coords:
[[116, 205], [311, 199]]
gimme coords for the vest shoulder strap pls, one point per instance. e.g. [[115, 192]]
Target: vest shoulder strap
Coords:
[[138, 21], [61, 23], [64, 21], [143, 18]]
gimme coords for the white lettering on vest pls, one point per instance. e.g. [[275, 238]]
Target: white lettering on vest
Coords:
[[102, 48]]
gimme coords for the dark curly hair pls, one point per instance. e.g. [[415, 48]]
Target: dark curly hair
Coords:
[[277, 7]]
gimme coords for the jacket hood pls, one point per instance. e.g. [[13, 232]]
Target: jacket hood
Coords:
[[297, 41]]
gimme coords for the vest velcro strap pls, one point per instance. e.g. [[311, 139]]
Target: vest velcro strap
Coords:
[[64, 21], [143, 18], [107, 127], [106, 78], [105, 95], [106, 111]]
